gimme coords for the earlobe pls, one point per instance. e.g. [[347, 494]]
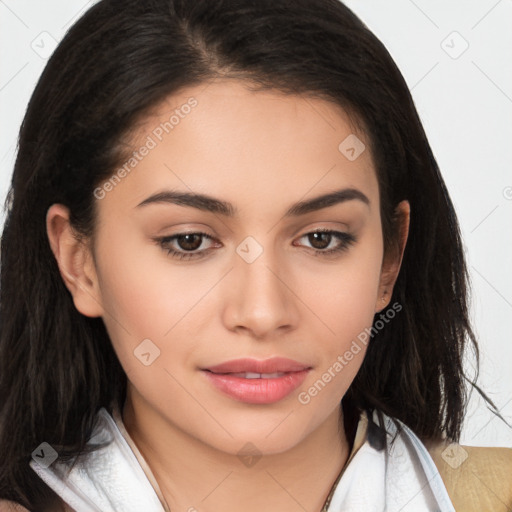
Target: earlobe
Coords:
[[75, 262], [392, 263]]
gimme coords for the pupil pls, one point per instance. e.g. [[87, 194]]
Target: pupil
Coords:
[[186, 242], [316, 240]]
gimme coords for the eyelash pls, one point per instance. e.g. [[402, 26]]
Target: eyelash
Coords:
[[346, 240]]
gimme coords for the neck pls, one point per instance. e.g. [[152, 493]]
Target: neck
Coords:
[[194, 476]]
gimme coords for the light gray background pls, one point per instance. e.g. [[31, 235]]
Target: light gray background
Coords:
[[464, 97]]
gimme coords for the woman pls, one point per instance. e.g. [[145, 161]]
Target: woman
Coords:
[[230, 269]]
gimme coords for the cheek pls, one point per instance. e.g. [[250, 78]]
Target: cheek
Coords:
[[146, 309], [140, 285], [343, 295], [144, 296], [344, 301]]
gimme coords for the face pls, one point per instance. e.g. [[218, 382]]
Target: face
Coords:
[[255, 271]]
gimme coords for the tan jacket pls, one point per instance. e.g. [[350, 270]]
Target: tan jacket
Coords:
[[477, 479]]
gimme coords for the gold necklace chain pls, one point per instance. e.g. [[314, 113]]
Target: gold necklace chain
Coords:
[[325, 507], [333, 488], [326, 504]]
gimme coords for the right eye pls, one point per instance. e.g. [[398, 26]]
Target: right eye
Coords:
[[185, 245]]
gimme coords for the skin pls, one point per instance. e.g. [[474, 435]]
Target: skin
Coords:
[[262, 152]]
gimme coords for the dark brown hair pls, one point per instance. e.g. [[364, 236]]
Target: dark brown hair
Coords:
[[121, 59]]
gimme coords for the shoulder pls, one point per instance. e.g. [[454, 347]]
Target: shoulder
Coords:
[[476, 478], [11, 506]]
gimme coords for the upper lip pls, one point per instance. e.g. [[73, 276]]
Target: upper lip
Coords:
[[272, 365]]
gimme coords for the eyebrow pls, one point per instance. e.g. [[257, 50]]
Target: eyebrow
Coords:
[[211, 204]]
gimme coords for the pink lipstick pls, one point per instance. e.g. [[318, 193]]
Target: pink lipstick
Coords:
[[257, 382]]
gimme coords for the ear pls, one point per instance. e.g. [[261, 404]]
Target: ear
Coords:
[[393, 260], [75, 262]]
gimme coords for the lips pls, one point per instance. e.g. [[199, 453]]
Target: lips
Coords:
[[253, 375], [273, 365], [257, 382]]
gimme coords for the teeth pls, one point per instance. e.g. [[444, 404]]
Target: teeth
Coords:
[[251, 375]]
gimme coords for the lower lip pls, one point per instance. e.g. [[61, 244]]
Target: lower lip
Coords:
[[257, 391]]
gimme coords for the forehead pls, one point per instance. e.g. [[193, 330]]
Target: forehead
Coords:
[[223, 139]]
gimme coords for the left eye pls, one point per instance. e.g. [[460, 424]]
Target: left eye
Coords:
[[321, 241]]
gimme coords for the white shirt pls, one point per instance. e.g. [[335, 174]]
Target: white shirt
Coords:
[[378, 476]]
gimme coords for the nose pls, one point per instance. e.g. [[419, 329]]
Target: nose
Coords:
[[260, 298]]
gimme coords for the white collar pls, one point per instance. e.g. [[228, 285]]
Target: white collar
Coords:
[[398, 476], [109, 479], [379, 476]]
